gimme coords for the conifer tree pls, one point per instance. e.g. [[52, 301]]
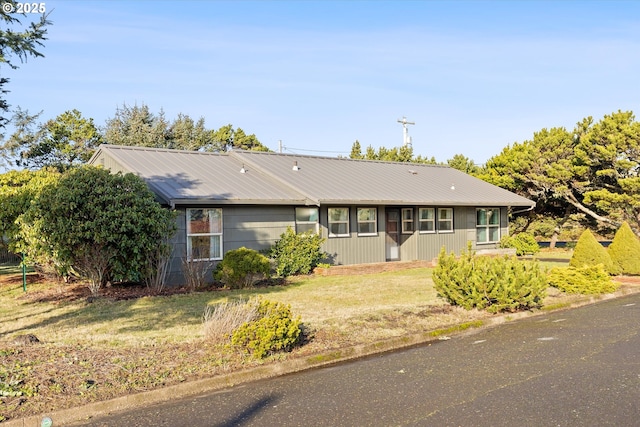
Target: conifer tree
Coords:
[[589, 252], [625, 251]]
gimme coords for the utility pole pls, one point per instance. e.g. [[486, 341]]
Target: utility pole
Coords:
[[406, 139]]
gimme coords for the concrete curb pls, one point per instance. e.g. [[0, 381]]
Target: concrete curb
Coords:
[[192, 388]]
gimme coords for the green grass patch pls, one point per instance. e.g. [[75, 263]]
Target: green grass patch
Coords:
[[456, 328]]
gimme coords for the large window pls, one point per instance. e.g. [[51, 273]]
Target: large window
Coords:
[[338, 222], [427, 220], [445, 220], [407, 220], [306, 220], [204, 234], [367, 222], [487, 225]]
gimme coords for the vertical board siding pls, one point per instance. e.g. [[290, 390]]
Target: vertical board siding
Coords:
[[464, 227], [255, 227]]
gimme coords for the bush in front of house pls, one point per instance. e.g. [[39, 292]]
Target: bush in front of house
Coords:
[[241, 268], [524, 243], [274, 329], [495, 284], [624, 251], [297, 253], [592, 279]]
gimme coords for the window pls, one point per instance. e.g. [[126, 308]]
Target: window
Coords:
[[427, 220], [306, 220], [445, 220], [488, 225], [204, 234], [407, 220], [367, 222], [338, 222]]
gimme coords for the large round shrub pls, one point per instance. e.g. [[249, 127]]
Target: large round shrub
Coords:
[[241, 268], [523, 243], [104, 225], [297, 253]]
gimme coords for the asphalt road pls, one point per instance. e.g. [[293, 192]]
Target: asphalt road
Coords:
[[579, 367]]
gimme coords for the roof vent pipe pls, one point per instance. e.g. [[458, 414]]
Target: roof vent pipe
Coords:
[[295, 166], [243, 170]]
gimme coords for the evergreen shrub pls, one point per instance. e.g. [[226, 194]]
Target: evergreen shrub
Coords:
[[624, 251], [297, 253], [582, 280], [589, 252], [241, 268], [494, 284], [524, 244], [275, 329]]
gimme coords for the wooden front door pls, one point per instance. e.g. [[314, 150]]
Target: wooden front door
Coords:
[[392, 235]]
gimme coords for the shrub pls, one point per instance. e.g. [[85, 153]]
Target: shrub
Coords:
[[625, 251], [590, 252], [582, 280], [524, 243], [297, 253], [242, 267], [222, 319], [494, 284], [195, 273], [275, 329]]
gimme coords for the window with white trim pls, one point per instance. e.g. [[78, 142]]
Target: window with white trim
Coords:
[[445, 220], [487, 225], [407, 220], [306, 220], [204, 234], [367, 222], [338, 221], [427, 220]]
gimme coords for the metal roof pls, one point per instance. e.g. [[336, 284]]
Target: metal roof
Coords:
[[183, 177]]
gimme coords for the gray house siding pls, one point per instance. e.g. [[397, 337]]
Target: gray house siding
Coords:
[[255, 227]]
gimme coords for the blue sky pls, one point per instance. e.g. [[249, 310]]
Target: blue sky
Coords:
[[475, 76]]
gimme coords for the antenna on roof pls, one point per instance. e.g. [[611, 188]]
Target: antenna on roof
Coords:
[[406, 139]]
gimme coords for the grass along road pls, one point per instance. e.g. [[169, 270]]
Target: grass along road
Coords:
[[108, 348]]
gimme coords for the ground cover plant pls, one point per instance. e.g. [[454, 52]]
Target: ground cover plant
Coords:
[[131, 339]]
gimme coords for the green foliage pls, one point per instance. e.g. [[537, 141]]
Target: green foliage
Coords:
[[66, 141], [624, 251], [494, 284], [241, 268], [524, 244], [297, 253], [464, 164], [592, 279], [395, 154], [589, 252], [103, 225], [275, 329]]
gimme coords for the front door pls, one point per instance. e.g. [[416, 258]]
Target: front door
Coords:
[[392, 237]]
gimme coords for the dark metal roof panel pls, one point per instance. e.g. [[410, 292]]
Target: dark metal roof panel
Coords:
[[184, 176]]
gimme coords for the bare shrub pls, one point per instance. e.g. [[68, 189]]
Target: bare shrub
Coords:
[[222, 319], [157, 268], [196, 273]]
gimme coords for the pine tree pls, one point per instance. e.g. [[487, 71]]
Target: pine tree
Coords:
[[625, 251]]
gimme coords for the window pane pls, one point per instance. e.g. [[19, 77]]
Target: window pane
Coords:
[[366, 214], [338, 214], [307, 214], [426, 213], [407, 214], [494, 234], [445, 213], [366, 228], [301, 228], [216, 247], [215, 220], [482, 235], [200, 247], [407, 227], [494, 216], [198, 221], [338, 228], [481, 217], [426, 225], [445, 225]]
